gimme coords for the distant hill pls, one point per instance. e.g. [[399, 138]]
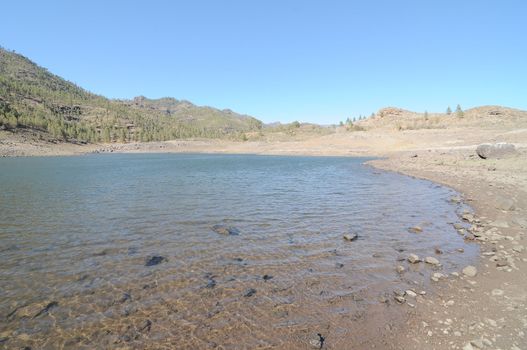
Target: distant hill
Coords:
[[31, 98], [481, 117]]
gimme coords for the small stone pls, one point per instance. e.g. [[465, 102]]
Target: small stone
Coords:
[[455, 199], [267, 277], [518, 248], [460, 250], [437, 276], [432, 261], [458, 226], [225, 230], [415, 229], [468, 346], [154, 260], [477, 343], [470, 271], [400, 269], [400, 299], [249, 292], [412, 258], [317, 341], [497, 292], [411, 293], [350, 237]]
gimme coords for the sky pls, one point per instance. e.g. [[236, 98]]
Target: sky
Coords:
[[312, 61]]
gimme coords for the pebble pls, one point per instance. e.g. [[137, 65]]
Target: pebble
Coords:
[[432, 261], [412, 258], [518, 248], [399, 299], [478, 343], [497, 292], [470, 271], [468, 346], [436, 276], [411, 293], [350, 237], [249, 292], [415, 229], [400, 269], [317, 341]]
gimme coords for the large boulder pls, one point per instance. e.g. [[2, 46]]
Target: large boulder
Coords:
[[495, 150]]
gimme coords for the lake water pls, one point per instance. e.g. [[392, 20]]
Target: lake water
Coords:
[[76, 233]]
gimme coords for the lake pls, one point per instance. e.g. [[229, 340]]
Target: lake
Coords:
[[77, 234]]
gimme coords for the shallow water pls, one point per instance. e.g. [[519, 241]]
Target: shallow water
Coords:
[[75, 233]]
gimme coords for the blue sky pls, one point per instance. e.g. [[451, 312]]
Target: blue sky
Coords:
[[317, 61]]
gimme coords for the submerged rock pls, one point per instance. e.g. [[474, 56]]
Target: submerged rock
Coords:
[[317, 341], [350, 236], [226, 230], [33, 310], [496, 150], [432, 261], [154, 260], [415, 229], [414, 259], [437, 276], [249, 292]]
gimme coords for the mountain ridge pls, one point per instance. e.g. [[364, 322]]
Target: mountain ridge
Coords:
[[33, 98]]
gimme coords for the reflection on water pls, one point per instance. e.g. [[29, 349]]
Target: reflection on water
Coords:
[[77, 233]]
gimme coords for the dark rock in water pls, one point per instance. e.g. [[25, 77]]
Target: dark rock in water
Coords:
[[249, 292], [350, 236], [267, 277], [146, 326], [48, 307], [154, 260], [339, 265], [317, 341], [126, 296], [226, 230], [495, 150], [211, 283]]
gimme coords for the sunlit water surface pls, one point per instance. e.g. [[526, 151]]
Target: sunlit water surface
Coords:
[[75, 234]]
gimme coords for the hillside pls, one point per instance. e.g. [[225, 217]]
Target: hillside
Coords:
[[481, 117], [35, 100]]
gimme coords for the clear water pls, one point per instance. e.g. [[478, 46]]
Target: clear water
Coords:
[[75, 233]]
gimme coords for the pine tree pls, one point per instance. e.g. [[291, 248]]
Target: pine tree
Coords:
[[448, 111], [459, 111]]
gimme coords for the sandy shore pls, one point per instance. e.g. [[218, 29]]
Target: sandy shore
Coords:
[[488, 310]]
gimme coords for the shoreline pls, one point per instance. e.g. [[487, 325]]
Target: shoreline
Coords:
[[465, 312], [488, 310]]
